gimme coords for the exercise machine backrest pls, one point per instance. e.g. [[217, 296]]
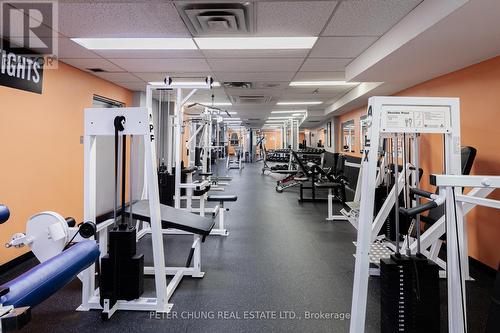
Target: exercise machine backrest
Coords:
[[468, 154]]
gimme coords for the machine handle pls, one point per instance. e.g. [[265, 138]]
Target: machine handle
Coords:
[[71, 222], [421, 193], [4, 291], [419, 209]]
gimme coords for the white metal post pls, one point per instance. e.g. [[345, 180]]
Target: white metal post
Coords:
[[178, 152], [155, 221], [361, 270], [89, 210], [457, 320]]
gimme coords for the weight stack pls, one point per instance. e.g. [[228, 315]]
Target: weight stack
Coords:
[[166, 186], [426, 297], [122, 269], [409, 297]]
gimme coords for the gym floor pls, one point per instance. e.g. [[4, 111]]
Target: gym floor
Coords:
[[280, 256]]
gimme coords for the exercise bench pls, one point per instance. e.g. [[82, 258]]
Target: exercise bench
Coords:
[[334, 189], [221, 198]]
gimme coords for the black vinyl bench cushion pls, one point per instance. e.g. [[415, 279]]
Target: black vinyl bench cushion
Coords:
[[205, 174], [285, 172], [222, 197], [172, 218]]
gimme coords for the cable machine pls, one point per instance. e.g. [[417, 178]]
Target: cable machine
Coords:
[[395, 118]]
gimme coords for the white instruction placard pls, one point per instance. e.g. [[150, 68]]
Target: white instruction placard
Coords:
[[415, 119]]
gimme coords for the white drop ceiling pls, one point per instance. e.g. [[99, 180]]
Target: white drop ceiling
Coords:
[[347, 31]]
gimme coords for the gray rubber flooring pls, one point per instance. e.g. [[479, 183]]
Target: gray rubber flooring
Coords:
[[283, 268]]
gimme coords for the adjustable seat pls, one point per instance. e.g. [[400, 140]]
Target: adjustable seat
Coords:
[[221, 198]]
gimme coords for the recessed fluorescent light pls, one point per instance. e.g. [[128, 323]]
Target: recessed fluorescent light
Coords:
[[279, 118], [300, 103], [321, 83], [136, 43], [288, 111], [233, 112], [186, 83], [255, 43], [297, 114], [215, 104], [275, 121]]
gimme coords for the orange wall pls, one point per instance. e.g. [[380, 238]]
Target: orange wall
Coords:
[[273, 139], [42, 158], [302, 137], [478, 88]]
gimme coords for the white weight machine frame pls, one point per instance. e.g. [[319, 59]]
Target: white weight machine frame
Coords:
[[176, 124], [139, 122], [240, 150], [387, 116]]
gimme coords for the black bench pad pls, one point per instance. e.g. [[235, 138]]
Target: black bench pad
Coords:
[[327, 184], [205, 174], [222, 197], [285, 172], [172, 218]]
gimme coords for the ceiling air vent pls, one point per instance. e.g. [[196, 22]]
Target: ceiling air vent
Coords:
[[253, 119], [96, 70], [238, 85], [251, 99], [314, 121], [211, 19]]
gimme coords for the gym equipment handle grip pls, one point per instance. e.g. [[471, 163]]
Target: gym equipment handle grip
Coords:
[[421, 193], [419, 209]]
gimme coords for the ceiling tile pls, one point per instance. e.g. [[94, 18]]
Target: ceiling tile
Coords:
[[325, 90], [165, 65], [265, 92], [150, 54], [69, 49], [368, 17], [119, 77], [134, 86], [341, 47], [256, 53], [255, 76], [120, 19], [306, 97], [297, 18], [325, 64], [311, 76], [254, 65], [84, 64]]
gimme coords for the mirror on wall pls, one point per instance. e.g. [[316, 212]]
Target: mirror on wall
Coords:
[[363, 125], [348, 136]]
